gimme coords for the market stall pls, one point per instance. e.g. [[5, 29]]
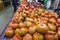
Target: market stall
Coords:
[[32, 22]]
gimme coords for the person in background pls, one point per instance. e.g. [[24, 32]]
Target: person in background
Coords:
[[15, 4]]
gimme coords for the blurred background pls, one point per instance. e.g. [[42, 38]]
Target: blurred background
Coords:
[[48, 3]]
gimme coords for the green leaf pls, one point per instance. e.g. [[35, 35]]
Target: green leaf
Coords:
[[41, 38]]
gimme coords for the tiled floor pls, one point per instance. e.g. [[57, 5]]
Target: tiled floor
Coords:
[[5, 16]]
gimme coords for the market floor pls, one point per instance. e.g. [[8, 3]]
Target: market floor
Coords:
[[5, 16]]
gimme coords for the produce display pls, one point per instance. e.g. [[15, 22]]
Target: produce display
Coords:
[[33, 23]]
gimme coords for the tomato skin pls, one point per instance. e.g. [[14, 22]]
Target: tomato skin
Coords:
[[17, 37], [9, 32], [27, 37], [58, 21]]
